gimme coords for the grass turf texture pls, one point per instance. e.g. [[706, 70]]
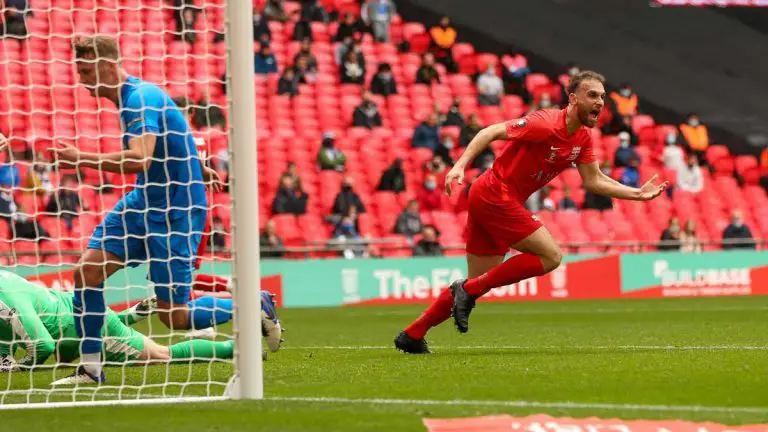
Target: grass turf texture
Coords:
[[676, 353]]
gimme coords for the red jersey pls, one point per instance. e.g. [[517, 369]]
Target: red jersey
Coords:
[[539, 149]]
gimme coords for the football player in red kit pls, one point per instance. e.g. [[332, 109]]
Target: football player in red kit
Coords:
[[541, 146]]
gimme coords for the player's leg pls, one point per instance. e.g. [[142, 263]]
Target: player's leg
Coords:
[[208, 282], [89, 305], [483, 253], [540, 254], [171, 267], [139, 312], [440, 310], [211, 283]]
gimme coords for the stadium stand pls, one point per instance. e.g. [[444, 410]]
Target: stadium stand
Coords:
[[42, 101]]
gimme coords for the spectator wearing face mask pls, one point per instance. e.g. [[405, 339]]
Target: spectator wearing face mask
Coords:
[[624, 153], [427, 134], [625, 102], [289, 199], [393, 178], [427, 74], [347, 198], [367, 113], [672, 156], [490, 88], [270, 239], [437, 167], [429, 245], [695, 137], [689, 176], [594, 201], [288, 83], [348, 28], [430, 197], [383, 82], [346, 233], [260, 28], [306, 53], [264, 62], [378, 14], [409, 222], [468, 132], [670, 237], [454, 117], [689, 241], [329, 157], [275, 10], [566, 202], [737, 232], [631, 175], [442, 40]]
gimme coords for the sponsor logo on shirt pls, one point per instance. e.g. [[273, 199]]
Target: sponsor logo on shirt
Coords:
[[574, 153]]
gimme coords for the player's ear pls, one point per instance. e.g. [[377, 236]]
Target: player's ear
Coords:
[[571, 98]]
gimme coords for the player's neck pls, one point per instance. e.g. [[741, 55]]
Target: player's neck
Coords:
[[572, 122], [113, 94]]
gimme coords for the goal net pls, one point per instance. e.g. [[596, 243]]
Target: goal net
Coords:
[[50, 212]]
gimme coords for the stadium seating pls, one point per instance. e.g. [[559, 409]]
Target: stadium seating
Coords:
[[43, 101]]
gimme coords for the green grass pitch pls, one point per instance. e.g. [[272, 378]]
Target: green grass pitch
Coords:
[[695, 359]]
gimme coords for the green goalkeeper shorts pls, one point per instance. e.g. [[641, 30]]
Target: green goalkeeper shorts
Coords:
[[121, 343]]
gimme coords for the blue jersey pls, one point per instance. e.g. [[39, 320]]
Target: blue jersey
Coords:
[[173, 184]]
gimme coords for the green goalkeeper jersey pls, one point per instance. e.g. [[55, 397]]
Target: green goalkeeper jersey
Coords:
[[41, 321], [35, 318]]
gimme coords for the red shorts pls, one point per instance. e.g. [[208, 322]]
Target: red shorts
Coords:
[[496, 221], [204, 239]]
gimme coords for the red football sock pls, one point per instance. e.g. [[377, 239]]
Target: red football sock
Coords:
[[435, 314], [513, 270], [210, 283]]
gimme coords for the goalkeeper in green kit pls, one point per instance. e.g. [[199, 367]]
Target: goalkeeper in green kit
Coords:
[[42, 322]]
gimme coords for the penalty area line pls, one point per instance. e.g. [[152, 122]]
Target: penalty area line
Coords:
[[523, 404]]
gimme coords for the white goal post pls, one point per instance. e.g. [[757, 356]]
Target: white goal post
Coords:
[[42, 104]]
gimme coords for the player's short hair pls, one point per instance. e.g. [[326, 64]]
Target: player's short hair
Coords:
[[96, 47], [584, 76], [182, 102]]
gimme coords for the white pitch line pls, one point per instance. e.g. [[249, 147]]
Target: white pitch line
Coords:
[[550, 348], [526, 404], [520, 310]]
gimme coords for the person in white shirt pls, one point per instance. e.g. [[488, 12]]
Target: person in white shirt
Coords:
[[490, 87], [673, 156], [689, 177]]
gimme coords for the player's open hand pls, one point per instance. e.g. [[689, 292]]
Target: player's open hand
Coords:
[[212, 177], [651, 190], [456, 173], [3, 142], [65, 155]]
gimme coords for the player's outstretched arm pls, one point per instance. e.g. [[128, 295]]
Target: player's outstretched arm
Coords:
[[26, 327], [598, 183], [136, 159], [480, 142]]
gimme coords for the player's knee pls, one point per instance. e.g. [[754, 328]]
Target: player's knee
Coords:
[[89, 275], [552, 259], [175, 319]]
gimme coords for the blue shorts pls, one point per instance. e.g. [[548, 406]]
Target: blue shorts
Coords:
[[170, 247]]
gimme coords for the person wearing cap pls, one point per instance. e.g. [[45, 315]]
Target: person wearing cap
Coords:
[[329, 157]]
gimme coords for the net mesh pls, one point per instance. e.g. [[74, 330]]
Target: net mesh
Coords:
[[47, 213]]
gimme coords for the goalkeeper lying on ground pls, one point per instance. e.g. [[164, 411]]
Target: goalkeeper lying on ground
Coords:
[[41, 321]]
